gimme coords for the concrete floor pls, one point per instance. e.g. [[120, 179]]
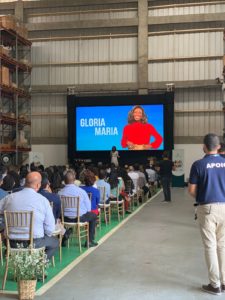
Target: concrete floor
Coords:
[[156, 255]]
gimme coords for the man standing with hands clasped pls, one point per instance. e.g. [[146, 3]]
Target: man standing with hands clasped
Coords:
[[207, 186]]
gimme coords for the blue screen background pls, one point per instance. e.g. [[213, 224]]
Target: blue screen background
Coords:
[[114, 116]]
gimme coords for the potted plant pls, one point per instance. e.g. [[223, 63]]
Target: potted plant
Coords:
[[28, 266]]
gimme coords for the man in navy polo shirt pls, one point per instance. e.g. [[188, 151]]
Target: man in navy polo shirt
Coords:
[[207, 186]]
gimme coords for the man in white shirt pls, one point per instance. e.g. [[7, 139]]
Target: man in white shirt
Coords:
[[135, 178], [44, 222]]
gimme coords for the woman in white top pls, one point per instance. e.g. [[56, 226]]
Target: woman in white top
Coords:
[[114, 156]]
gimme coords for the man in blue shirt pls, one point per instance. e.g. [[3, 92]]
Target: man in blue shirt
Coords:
[[29, 200], [71, 190], [207, 186], [102, 183]]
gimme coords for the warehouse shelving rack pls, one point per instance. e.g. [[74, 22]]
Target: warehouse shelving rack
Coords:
[[15, 99]]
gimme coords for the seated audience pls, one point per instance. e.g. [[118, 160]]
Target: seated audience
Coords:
[[33, 167], [56, 180], [142, 182], [89, 180], [116, 185], [3, 171], [152, 178], [23, 173], [8, 183], [17, 187], [29, 200], [127, 191], [71, 190], [46, 191], [101, 182], [135, 178], [3, 193]]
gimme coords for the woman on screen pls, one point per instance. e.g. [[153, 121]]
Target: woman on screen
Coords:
[[137, 134], [114, 156]]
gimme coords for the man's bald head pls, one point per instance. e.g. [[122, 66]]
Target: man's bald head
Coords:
[[69, 177], [33, 180]]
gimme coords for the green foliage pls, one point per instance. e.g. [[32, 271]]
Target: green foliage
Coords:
[[28, 264]]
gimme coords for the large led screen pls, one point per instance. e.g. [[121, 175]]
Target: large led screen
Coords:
[[128, 127], [138, 125]]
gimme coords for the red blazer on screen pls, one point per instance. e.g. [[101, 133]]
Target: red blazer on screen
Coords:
[[140, 134]]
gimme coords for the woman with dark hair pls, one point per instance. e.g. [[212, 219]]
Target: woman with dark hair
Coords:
[[128, 188], [23, 173], [88, 181], [116, 184], [50, 172], [8, 183], [16, 177], [138, 132], [17, 187], [56, 181]]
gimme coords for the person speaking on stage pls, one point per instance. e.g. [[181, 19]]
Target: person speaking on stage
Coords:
[[114, 154], [138, 132]]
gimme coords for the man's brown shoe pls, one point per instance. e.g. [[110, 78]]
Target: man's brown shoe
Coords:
[[223, 288], [211, 290]]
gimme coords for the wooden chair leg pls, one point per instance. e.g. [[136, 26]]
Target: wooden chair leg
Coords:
[[60, 247], [43, 268], [99, 217], [1, 256], [53, 261], [79, 239], [6, 273], [105, 215], [118, 211], [87, 229]]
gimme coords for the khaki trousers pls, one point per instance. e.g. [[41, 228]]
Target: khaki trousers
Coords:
[[211, 219]]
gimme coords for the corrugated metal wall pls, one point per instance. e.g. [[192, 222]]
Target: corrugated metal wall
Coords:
[[198, 112], [75, 13], [49, 116], [200, 56], [187, 9], [82, 15], [84, 61], [172, 57]]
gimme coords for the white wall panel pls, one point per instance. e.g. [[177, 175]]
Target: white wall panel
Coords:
[[93, 74], [52, 154], [74, 75], [187, 10], [46, 125], [123, 73], [85, 50], [40, 52], [93, 50], [184, 70], [70, 53], [40, 76], [123, 49], [197, 123], [186, 45], [83, 16]]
